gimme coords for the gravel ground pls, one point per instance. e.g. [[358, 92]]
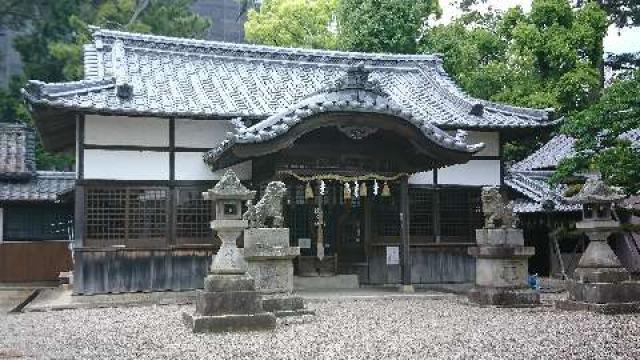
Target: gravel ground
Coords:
[[417, 328]]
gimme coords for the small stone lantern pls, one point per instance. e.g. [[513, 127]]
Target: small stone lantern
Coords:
[[229, 300], [600, 283], [227, 198]]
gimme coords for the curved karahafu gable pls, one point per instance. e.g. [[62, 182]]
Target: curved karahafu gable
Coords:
[[353, 101], [144, 75]]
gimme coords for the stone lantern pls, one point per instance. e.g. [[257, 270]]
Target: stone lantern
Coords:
[[600, 282], [229, 300]]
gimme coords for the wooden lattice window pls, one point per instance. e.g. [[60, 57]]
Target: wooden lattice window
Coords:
[[193, 215], [131, 216], [386, 216], [460, 214], [421, 214]]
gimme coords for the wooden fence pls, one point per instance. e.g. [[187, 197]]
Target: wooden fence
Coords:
[[32, 261]]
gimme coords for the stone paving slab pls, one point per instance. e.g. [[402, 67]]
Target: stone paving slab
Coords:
[[62, 299], [9, 299]]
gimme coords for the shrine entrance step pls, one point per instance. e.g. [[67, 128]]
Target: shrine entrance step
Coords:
[[326, 282]]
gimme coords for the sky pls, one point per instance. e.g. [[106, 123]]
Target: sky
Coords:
[[617, 40]]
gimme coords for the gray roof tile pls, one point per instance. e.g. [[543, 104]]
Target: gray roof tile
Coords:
[[43, 186], [205, 79]]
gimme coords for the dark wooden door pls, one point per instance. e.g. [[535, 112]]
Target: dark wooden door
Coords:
[[350, 236]]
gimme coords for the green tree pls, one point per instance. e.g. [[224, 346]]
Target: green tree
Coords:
[[293, 23], [597, 129], [391, 26], [546, 58]]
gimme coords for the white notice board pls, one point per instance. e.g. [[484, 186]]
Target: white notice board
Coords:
[[393, 255]]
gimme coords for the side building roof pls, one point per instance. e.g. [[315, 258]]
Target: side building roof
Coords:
[[137, 74], [19, 180], [530, 177]]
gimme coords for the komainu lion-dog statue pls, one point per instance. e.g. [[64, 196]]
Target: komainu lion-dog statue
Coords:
[[497, 213], [267, 213]]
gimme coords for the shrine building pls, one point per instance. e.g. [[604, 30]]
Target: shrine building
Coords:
[[383, 157]]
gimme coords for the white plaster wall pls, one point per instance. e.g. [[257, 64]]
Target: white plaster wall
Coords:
[[490, 139], [475, 172], [421, 178], [123, 130], [126, 165], [190, 166], [201, 133]]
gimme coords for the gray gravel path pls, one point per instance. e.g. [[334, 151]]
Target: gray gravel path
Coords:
[[342, 329]]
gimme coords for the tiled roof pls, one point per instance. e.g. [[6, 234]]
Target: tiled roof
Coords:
[[136, 74], [17, 151], [43, 186], [530, 176], [549, 155], [353, 93]]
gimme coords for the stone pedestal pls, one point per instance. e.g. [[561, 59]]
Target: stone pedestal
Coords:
[[270, 264], [229, 303], [600, 283], [501, 268]]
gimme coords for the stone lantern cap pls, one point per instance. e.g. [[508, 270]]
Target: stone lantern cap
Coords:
[[595, 191], [229, 187]]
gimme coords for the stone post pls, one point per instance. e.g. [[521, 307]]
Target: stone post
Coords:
[[600, 283], [501, 257], [229, 300], [269, 256]]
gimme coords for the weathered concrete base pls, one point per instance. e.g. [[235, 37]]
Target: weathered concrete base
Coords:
[[406, 289], [229, 302], [608, 309], [504, 297], [285, 305], [604, 293], [310, 266], [326, 282], [233, 322]]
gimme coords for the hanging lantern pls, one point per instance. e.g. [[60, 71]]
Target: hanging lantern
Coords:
[[376, 188], [385, 190], [347, 191], [308, 192], [323, 187], [356, 193], [363, 189]]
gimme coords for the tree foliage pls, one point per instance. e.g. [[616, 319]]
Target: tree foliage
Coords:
[[621, 13], [357, 25], [597, 129], [293, 23], [383, 26], [545, 58]]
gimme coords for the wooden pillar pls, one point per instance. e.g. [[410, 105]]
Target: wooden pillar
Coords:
[[405, 254]]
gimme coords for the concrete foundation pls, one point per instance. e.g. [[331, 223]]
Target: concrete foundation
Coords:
[[229, 303], [501, 269], [270, 264]]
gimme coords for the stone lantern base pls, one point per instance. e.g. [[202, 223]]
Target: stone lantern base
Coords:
[[601, 284], [270, 263], [229, 303], [501, 269]]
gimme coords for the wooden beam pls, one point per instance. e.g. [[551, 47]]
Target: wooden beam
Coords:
[[405, 247]]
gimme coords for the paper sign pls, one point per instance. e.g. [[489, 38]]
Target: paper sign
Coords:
[[304, 243], [393, 255]]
